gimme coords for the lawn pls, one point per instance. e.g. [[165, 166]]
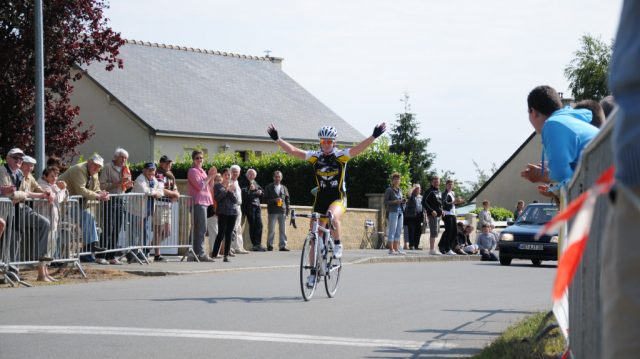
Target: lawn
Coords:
[[519, 341]]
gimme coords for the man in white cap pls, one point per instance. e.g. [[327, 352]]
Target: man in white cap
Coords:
[[14, 186], [82, 180]]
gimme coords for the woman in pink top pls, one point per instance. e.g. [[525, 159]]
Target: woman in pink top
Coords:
[[199, 184]]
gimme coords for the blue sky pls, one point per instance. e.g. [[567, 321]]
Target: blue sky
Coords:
[[466, 65]]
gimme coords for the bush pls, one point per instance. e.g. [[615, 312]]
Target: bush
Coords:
[[368, 173], [497, 213]]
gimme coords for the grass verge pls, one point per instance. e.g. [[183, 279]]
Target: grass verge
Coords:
[[518, 341]]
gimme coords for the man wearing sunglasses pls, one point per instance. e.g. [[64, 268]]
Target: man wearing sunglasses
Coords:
[[329, 164]]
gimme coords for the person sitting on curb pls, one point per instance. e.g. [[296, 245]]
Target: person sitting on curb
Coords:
[[487, 243]]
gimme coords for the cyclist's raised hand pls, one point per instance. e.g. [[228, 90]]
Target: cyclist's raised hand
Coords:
[[379, 130], [271, 130]]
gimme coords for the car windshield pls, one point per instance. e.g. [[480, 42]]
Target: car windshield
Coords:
[[537, 214]]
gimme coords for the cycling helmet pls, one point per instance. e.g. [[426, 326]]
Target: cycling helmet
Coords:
[[328, 132]]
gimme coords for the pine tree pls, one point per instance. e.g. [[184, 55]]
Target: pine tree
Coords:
[[405, 140]]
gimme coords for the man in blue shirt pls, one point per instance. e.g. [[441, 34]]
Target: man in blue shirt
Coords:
[[564, 131]]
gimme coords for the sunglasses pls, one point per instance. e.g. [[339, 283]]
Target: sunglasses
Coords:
[[17, 158], [325, 141]]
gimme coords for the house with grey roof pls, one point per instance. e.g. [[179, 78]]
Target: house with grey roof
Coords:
[[172, 99]]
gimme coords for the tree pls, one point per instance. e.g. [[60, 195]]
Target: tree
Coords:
[[75, 33], [587, 72], [483, 177], [405, 140]]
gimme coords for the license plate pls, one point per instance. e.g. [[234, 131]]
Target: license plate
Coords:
[[531, 247]]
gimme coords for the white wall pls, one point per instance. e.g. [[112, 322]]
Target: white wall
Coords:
[[112, 125], [508, 187], [177, 146]]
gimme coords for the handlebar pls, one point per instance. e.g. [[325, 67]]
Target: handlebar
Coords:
[[312, 216]]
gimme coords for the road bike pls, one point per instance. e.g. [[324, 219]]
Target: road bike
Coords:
[[317, 256]]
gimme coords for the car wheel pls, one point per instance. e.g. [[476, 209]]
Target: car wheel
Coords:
[[536, 262], [505, 261]]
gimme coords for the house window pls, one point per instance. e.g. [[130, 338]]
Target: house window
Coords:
[[244, 155]]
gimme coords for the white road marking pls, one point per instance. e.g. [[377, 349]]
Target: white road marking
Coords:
[[217, 334]]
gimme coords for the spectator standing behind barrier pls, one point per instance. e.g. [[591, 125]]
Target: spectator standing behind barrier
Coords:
[[278, 204], [18, 187], [598, 117], [227, 210], [212, 216], [450, 234], [115, 178], [519, 209], [164, 206], [152, 224], [564, 131], [199, 182], [487, 242], [414, 216], [82, 180], [620, 286], [608, 104], [237, 242], [432, 204], [394, 201], [50, 182], [251, 196]]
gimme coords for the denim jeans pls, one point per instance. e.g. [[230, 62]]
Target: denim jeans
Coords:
[[395, 223]]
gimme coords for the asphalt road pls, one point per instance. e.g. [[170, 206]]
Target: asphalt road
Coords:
[[385, 310]]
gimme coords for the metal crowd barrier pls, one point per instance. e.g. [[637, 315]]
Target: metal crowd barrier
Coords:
[[130, 225], [8, 272]]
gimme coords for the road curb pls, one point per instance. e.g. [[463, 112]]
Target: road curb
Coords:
[[357, 261]]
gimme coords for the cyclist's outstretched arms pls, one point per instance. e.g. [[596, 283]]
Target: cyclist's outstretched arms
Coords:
[[286, 146], [377, 131]]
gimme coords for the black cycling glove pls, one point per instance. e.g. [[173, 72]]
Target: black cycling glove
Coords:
[[273, 133], [378, 130]]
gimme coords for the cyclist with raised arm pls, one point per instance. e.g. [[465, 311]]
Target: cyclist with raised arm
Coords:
[[329, 164]]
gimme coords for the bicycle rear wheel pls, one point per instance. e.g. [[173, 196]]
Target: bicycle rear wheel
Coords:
[[308, 251], [332, 277]]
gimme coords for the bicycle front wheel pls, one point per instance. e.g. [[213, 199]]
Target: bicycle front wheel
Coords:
[[308, 262], [332, 277]]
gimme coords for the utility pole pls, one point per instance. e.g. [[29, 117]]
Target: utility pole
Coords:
[[39, 98]]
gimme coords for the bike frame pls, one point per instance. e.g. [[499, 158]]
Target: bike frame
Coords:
[[322, 245]]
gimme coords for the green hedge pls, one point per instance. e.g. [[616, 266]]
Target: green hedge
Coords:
[[497, 213], [368, 173]]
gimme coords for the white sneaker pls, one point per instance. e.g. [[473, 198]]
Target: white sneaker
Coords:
[[337, 251], [311, 280], [434, 252], [451, 253]]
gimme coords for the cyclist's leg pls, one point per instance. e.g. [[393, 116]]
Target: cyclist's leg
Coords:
[[337, 209]]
